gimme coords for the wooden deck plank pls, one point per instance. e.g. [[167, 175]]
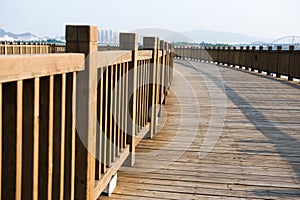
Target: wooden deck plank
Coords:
[[254, 156]]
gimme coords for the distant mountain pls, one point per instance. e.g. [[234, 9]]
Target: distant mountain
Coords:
[[222, 37], [199, 36], [163, 34], [8, 36], [195, 36]]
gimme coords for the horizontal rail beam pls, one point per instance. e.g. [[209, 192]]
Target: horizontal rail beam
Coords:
[[107, 58], [144, 55], [21, 67]]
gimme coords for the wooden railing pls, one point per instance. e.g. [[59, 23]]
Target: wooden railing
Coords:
[[19, 48], [8, 48], [108, 48], [69, 121], [36, 114], [271, 61]]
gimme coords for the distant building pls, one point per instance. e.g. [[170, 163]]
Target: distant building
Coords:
[[108, 37]]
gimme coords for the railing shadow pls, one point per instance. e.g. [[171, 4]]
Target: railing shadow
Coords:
[[287, 146], [268, 77]]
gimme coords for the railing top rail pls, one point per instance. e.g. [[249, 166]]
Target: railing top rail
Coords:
[[108, 58], [21, 67], [144, 54]]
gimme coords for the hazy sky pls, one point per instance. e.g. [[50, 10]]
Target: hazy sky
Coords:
[[265, 18]]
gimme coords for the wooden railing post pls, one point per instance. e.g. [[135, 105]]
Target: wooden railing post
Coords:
[[164, 72], [291, 51], [151, 43], [129, 41], [172, 52], [5, 48], [161, 74], [83, 39], [279, 51]]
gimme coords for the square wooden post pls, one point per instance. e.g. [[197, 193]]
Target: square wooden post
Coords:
[[161, 75], [172, 62], [151, 43], [129, 41], [83, 39]]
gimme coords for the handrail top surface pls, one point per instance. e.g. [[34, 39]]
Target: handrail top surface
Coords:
[[21, 67], [144, 54], [108, 58], [42, 55]]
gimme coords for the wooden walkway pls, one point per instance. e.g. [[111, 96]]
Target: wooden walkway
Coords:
[[224, 134]]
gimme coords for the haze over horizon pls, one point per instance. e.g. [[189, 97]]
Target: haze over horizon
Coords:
[[267, 19]]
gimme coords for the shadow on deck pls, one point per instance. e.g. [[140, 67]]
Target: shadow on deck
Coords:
[[224, 133]]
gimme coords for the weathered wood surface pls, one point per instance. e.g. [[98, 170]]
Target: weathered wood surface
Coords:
[[256, 156], [108, 58], [21, 67]]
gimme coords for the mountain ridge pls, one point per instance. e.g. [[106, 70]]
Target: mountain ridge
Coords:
[[9, 36], [201, 35], [194, 36]]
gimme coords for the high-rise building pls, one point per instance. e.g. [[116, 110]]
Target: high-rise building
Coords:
[[108, 37]]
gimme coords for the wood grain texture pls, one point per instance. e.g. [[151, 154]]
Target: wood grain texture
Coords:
[[109, 58], [20, 67], [83, 39], [144, 54], [36, 122], [50, 132], [19, 139], [72, 195], [63, 135]]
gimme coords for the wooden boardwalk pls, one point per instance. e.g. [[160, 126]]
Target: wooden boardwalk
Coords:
[[224, 134]]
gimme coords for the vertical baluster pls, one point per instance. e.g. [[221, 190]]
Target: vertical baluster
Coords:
[[63, 128], [101, 121], [50, 142], [1, 140], [19, 139], [36, 137], [98, 130], [106, 119], [147, 92], [142, 93], [110, 116], [118, 110], [114, 114], [126, 102], [122, 105], [73, 140]]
